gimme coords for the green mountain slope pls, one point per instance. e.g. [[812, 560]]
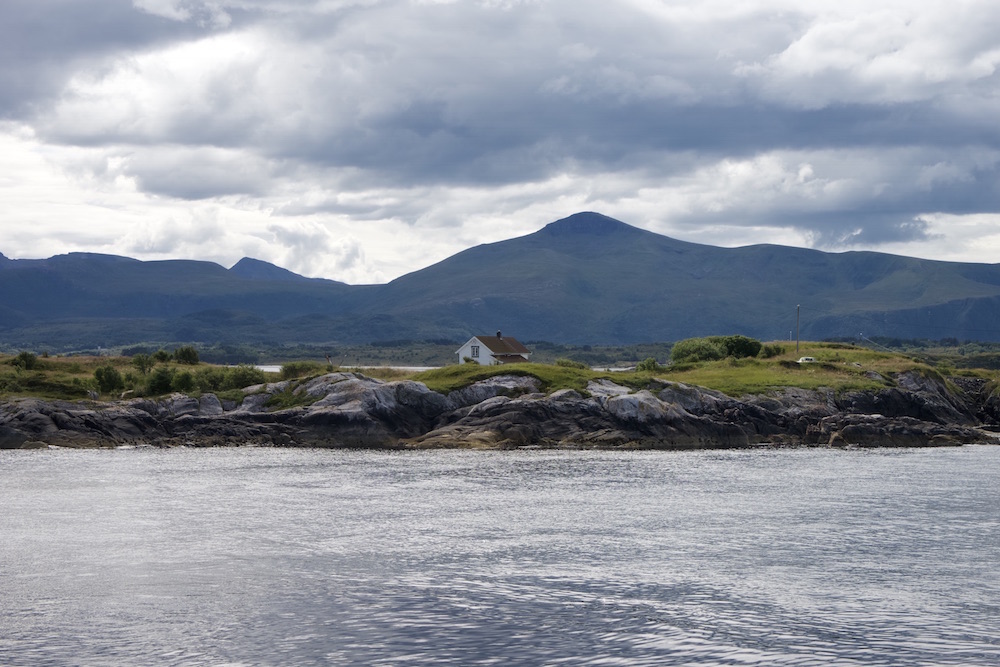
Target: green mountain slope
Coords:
[[589, 278], [583, 279]]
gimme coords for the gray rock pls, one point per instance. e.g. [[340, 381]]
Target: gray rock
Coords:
[[499, 385], [210, 405], [351, 410]]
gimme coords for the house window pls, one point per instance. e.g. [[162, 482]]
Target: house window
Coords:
[[475, 351]]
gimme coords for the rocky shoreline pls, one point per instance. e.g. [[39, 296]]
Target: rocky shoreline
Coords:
[[350, 410]]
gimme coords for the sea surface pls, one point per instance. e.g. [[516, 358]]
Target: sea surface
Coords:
[[322, 557]]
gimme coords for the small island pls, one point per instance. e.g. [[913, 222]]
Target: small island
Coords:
[[723, 398]]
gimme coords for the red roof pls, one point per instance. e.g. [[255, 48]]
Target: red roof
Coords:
[[510, 358], [503, 345]]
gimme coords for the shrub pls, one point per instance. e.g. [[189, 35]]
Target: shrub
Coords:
[[161, 356], [186, 355], [569, 363], [131, 381], [741, 346], [712, 348], [160, 381], [25, 360], [297, 369], [210, 379], [648, 366], [242, 376], [697, 349], [183, 381], [771, 350], [109, 379], [143, 362]]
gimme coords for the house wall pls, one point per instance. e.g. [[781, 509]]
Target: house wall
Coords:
[[484, 359]]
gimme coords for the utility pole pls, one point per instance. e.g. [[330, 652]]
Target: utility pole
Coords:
[[797, 328]]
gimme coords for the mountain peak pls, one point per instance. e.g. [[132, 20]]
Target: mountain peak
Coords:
[[255, 269], [589, 223]]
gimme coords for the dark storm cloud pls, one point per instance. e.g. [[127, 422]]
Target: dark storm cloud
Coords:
[[43, 43], [889, 109]]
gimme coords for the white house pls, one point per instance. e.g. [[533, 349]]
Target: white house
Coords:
[[493, 350]]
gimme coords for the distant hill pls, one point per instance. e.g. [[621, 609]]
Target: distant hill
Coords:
[[585, 279]]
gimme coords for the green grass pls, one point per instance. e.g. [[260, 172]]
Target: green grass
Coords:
[[71, 378], [838, 366], [736, 377], [289, 399], [551, 378], [65, 378]]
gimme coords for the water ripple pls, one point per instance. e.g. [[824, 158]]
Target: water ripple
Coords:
[[273, 557]]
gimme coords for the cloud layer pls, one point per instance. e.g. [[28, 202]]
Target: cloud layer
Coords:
[[361, 139]]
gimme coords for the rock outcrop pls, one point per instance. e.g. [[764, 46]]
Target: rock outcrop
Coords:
[[352, 410]]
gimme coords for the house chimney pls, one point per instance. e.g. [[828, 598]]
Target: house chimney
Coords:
[[499, 337]]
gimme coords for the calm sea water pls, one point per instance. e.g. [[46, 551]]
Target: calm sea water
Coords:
[[313, 557]]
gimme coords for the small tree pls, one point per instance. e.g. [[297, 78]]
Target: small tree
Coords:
[[210, 378], [648, 366], [160, 381], [186, 355], [771, 350], [161, 356], [183, 381], [143, 362], [697, 349], [244, 375], [297, 369], [741, 346], [26, 360], [109, 379]]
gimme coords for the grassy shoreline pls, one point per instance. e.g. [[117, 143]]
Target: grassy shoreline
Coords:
[[837, 366]]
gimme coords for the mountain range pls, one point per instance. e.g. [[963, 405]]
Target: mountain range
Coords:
[[585, 279]]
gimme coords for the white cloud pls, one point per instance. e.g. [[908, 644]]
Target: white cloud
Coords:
[[361, 139], [883, 53]]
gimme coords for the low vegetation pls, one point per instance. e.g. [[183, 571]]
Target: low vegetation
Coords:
[[839, 366], [551, 377], [27, 374]]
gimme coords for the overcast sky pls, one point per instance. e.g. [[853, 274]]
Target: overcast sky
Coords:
[[363, 139]]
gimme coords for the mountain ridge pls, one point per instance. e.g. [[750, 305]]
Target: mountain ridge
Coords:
[[583, 279]]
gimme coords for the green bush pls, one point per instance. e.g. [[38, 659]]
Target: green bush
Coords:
[[143, 362], [222, 379], [569, 363], [712, 348], [771, 350], [648, 366], [109, 379], [160, 381], [130, 380], [161, 356], [186, 355], [741, 346], [242, 376], [183, 381], [697, 349], [297, 369], [25, 360], [210, 378]]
